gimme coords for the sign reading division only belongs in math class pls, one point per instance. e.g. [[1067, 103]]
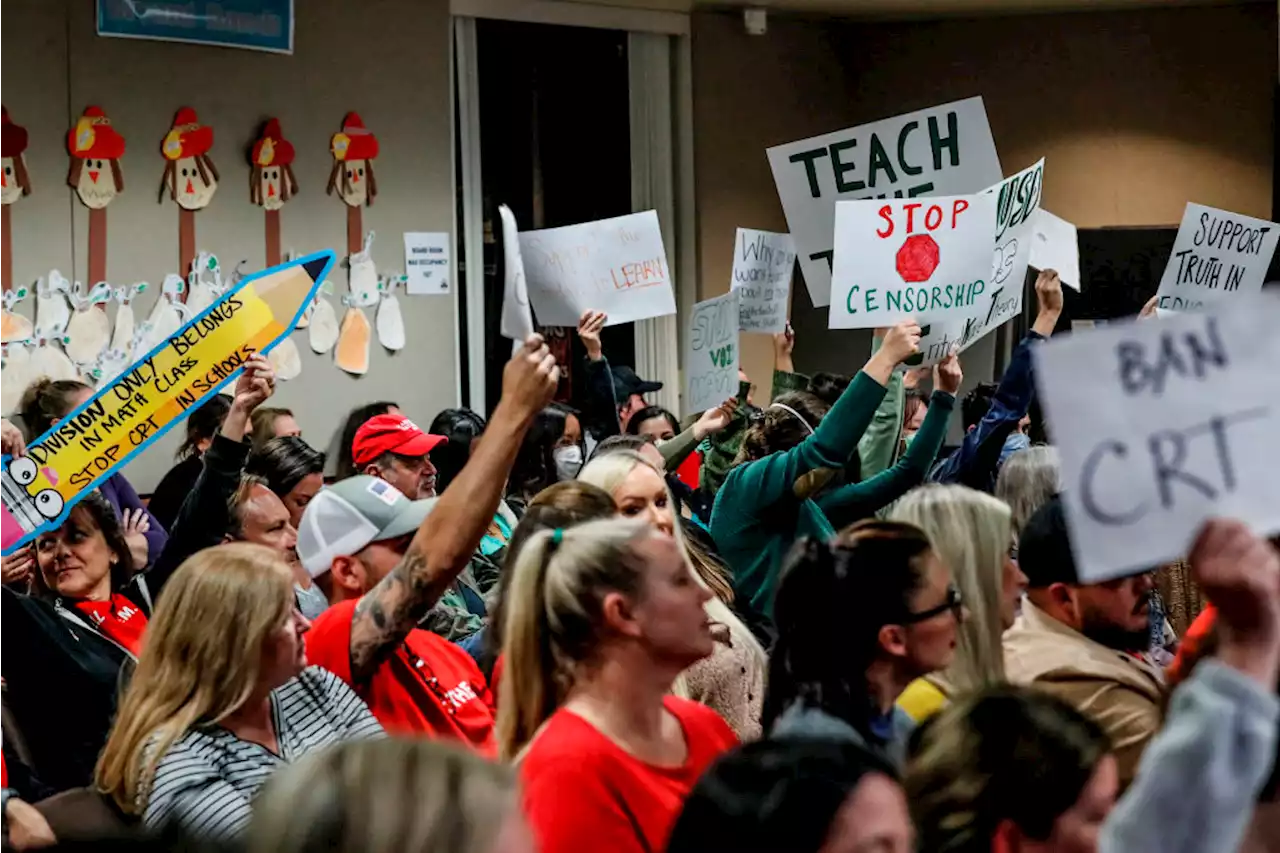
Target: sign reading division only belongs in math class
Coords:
[[1160, 425], [1218, 256], [762, 266], [617, 266], [943, 150], [711, 353], [926, 258]]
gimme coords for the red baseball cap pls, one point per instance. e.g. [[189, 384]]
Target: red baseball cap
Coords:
[[391, 434]]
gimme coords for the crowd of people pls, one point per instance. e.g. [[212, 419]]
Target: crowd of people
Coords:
[[804, 626]]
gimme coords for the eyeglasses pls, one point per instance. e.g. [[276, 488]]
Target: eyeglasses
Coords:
[[953, 602]]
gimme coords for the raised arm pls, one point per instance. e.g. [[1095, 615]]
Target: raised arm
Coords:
[[879, 444], [443, 545], [601, 405]]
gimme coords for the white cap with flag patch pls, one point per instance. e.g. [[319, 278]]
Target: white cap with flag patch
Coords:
[[347, 516]]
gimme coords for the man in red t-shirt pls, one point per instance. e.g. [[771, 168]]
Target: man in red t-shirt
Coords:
[[384, 560]]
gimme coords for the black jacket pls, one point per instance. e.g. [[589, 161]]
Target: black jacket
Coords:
[[62, 676]]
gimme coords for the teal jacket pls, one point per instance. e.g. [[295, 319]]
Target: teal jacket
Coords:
[[756, 515]]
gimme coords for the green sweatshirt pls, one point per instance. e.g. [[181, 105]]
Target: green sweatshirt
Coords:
[[878, 448], [721, 449], [756, 515]]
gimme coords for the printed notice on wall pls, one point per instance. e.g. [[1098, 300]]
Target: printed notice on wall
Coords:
[[711, 353], [617, 266], [1160, 425], [426, 263], [762, 266], [1218, 256], [943, 150]]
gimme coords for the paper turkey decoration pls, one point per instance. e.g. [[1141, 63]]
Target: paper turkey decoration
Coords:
[[189, 173], [354, 149], [14, 182]]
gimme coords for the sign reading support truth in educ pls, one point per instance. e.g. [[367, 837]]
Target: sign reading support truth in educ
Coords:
[[517, 320], [1160, 425], [617, 266], [944, 150], [251, 24], [711, 353], [126, 416], [762, 266], [1218, 256], [929, 259]]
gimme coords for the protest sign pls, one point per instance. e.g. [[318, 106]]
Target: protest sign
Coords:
[[1160, 425], [943, 150], [711, 353], [1055, 246], [762, 265], [929, 259], [617, 266], [157, 392], [517, 320], [1218, 256]]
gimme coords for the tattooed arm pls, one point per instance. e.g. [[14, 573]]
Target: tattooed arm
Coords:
[[444, 543]]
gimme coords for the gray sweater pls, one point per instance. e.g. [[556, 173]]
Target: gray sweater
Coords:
[[1201, 775], [805, 721]]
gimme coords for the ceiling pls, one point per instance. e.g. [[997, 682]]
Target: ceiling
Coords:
[[909, 9]]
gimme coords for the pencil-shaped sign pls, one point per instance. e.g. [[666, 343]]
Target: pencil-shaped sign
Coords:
[[158, 392]]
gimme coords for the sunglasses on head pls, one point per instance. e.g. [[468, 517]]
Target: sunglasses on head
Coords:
[[953, 603]]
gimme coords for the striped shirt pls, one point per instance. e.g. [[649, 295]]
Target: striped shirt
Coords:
[[207, 780]]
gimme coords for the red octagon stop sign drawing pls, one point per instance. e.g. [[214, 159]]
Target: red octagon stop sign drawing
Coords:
[[918, 258]]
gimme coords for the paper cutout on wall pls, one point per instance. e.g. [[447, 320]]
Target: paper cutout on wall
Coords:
[[14, 326], [205, 285], [390, 320], [15, 374], [285, 360], [48, 358], [352, 354], [89, 330], [322, 332], [272, 183], [354, 149], [168, 314], [52, 309], [189, 173], [125, 328], [14, 181], [96, 148]]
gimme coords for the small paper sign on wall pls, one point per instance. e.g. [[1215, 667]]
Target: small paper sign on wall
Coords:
[[1217, 257], [617, 266], [711, 353], [517, 320], [426, 263], [1160, 425], [762, 266], [924, 258]]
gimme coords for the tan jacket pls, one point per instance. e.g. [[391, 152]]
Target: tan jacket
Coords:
[[1121, 693]]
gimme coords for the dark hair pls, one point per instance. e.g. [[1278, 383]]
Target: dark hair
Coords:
[[560, 505], [828, 387], [649, 413], [977, 403], [345, 466], [461, 427], [911, 403], [283, 462], [535, 465], [1005, 753], [102, 514], [45, 401], [772, 795], [831, 602], [616, 443], [262, 423], [203, 424], [777, 429]]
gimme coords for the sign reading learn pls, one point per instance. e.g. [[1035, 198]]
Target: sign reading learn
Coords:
[[929, 259], [944, 150]]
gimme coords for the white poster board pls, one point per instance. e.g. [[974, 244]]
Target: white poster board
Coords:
[[927, 258], [1055, 246], [426, 263], [517, 319], [1162, 424], [762, 266], [711, 353], [943, 150], [616, 265], [1217, 257]]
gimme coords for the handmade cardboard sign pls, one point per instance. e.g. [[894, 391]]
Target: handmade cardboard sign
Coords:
[[156, 393], [762, 266], [1055, 246], [1218, 256], [1160, 426], [517, 318], [929, 259], [943, 150], [617, 266], [711, 352]]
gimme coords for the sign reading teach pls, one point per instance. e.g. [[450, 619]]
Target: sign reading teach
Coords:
[[929, 259], [1160, 425], [1217, 257], [711, 353], [616, 265], [944, 150]]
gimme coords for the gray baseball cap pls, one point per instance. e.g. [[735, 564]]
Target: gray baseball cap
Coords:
[[345, 517]]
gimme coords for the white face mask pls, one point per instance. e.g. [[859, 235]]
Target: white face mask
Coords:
[[568, 461]]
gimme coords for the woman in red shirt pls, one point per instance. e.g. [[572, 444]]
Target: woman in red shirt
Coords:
[[601, 619]]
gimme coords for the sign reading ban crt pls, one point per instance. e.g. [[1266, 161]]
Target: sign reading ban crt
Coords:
[[1162, 424]]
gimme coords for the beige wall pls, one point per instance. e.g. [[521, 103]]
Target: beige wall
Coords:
[[386, 59], [1136, 113]]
